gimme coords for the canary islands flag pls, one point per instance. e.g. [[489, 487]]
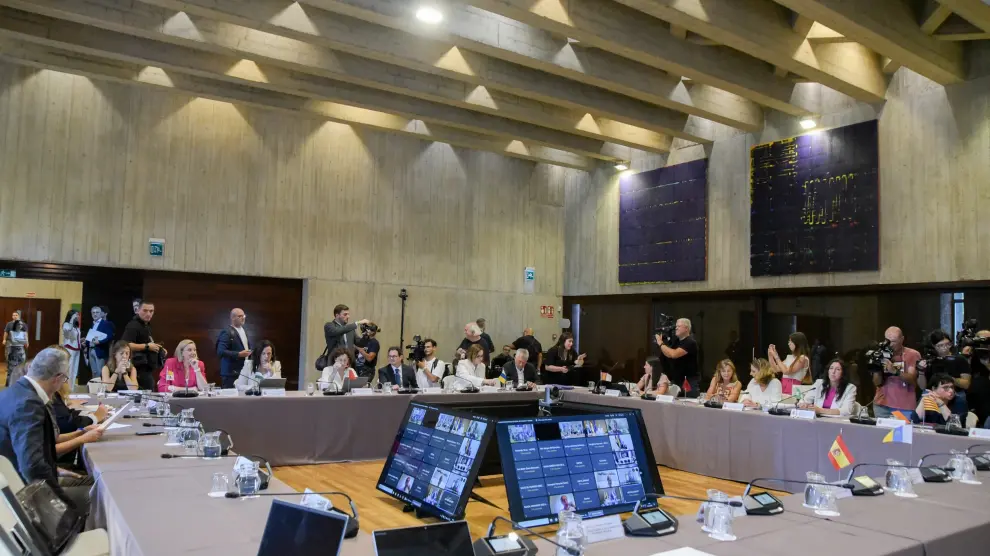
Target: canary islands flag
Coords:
[[503, 378], [901, 416], [903, 434], [839, 454]]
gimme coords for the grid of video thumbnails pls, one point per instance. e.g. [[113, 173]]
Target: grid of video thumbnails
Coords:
[[578, 465], [434, 458]]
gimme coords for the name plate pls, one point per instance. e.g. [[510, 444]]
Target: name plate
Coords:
[[665, 399], [890, 423], [272, 392], [604, 529], [362, 391], [228, 392], [613, 393], [732, 406], [803, 414], [979, 433]]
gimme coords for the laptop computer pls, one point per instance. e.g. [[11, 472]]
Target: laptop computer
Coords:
[[294, 530], [449, 539], [359, 382], [272, 383]]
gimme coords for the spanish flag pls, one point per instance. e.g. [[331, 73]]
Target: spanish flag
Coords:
[[903, 434], [839, 454], [503, 378]]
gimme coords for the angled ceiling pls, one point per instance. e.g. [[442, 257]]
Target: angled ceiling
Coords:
[[574, 83]]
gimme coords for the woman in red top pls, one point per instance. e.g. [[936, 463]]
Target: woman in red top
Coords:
[[184, 370]]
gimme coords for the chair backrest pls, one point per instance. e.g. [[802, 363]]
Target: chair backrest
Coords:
[[10, 475], [972, 420], [674, 390]]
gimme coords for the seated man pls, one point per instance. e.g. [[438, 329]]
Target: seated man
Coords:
[[396, 373], [519, 371], [934, 405], [28, 429]]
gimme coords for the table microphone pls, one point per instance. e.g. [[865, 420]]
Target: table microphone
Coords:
[[471, 388], [981, 460], [776, 411], [863, 418], [254, 390], [765, 503], [868, 487], [937, 478], [353, 524], [483, 546], [638, 526]]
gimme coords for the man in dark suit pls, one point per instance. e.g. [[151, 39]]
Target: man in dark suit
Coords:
[[233, 348], [28, 429], [401, 376], [99, 350], [340, 331], [519, 371]]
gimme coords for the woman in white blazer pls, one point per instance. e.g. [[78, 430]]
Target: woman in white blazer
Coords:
[[833, 395], [764, 389], [472, 369], [267, 366]]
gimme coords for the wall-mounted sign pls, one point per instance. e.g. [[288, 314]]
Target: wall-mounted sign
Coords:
[[546, 311], [8, 273], [529, 279], [156, 247]]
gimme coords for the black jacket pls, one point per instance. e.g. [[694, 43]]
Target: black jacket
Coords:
[[529, 373], [385, 374], [229, 346], [27, 433]]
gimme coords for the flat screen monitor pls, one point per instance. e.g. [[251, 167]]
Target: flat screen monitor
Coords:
[[593, 464], [294, 530], [449, 539], [435, 458]]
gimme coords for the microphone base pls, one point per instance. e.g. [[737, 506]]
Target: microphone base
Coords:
[[483, 547], [863, 491], [931, 476], [718, 405], [182, 394], [954, 431], [471, 390], [982, 463], [863, 421], [407, 391], [780, 412], [523, 389], [332, 393], [648, 397]]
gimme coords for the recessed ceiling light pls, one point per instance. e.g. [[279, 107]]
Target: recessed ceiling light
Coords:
[[429, 14], [621, 167], [808, 123]]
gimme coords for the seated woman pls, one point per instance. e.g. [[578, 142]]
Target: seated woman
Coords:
[[561, 360], [184, 370], [764, 389], [118, 373], [725, 384], [267, 367], [471, 369], [832, 395], [342, 368], [654, 379], [934, 406]]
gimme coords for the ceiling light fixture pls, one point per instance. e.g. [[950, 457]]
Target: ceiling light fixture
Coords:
[[808, 123], [429, 14], [621, 167]]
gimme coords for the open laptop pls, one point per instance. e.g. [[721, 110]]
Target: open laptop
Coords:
[[359, 382], [449, 539], [294, 530], [269, 383]]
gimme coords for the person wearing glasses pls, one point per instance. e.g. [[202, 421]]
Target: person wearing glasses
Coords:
[[945, 362], [934, 405]]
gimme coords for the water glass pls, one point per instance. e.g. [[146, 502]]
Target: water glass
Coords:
[[220, 486], [310, 389], [591, 385], [570, 533], [953, 422], [174, 437], [898, 480], [721, 528], [707, 507], [387, 388]]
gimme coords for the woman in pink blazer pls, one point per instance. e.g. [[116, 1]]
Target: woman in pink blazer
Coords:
[[184, 370]]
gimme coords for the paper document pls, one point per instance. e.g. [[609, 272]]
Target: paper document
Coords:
[[116, 426], [105, 424], [79, 396], [95, 335]]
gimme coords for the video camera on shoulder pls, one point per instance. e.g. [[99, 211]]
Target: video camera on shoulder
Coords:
[[369, 328], [417, 349], [665, 328], [878, 355], [967, 337]]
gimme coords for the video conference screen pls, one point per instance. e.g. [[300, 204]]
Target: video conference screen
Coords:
[[593, 465], [435, 459]]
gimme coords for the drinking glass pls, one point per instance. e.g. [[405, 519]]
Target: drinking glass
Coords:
[[591, 385], [310, 389], [721, 523], [220, 485], [813, 492], [708, 507], [174, 437], [387, 388], [953, 422], [570, 533], [899, 481]]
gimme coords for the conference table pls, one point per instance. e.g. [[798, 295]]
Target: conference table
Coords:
[[154, 506]]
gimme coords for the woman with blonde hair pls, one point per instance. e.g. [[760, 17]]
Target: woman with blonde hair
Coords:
[[472, 368], [725, 384], [184, 371], [764, 389]]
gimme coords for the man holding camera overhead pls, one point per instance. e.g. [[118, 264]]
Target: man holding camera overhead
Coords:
[[430, 370], [896, 379], [367, 350], [340, 331]]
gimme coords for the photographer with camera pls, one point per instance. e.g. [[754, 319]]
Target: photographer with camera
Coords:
[[976, 347], [367, 348], [340, 331], [429, 369], [683, 353], [895, 374], [939, 359]]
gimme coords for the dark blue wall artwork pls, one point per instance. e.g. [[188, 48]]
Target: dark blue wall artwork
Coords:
[[814, 203], [663, 226]]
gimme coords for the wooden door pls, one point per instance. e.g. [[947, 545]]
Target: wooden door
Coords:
[[43, 319]]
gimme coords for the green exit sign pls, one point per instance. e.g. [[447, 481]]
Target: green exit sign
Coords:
[[156, 247], [8, 273]]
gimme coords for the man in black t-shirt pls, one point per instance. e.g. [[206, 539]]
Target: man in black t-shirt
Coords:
[[144, 350], [683, 355], [472, 336], [367, 348], [529, 343]]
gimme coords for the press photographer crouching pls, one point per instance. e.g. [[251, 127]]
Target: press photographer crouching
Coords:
[[681, 348], [895, 374], [939, 360]]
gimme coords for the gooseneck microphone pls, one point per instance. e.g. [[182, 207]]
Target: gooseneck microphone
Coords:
[[931, 474], [353, 524], [777, 411], [483, 546], [764, 503], [656, 522]]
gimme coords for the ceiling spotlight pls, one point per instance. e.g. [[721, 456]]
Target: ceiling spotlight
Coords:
[[621, 167], [429, 14], [808, 123]]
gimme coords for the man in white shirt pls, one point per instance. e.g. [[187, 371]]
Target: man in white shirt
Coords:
[[430, 370], [233, 348]]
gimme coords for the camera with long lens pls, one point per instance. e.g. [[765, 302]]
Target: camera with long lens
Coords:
[[369, 328], [666, 325], [417, 349], [878, 355], [967, 337]]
